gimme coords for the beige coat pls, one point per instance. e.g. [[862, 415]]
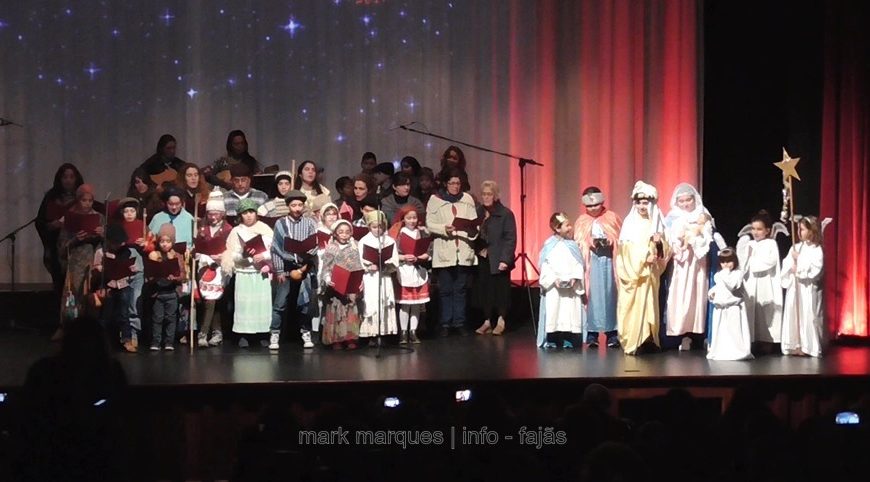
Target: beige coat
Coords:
[[456, 249]]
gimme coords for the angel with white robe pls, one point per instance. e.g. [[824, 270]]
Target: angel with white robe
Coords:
[[759, 257], [802, 318]]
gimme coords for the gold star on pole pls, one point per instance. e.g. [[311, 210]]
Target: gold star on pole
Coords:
[[788, 165]]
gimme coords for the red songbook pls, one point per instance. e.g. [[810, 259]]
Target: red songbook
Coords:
[[75, 222], [134, 229], [180, 248], [55, 211], [210, 246], [112, 209], [115, 269], [359, 232], [269, 221], [322, 239], [370, 254], [300, 248], [256, 243], [162, 269], [467, 225], [346, 282], [417, 247]]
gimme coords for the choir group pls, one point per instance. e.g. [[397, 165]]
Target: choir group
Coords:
[[195, 251]]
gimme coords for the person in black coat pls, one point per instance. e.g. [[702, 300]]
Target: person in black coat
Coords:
[[495, 258]]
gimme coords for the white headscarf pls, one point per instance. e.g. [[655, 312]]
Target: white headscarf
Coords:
[[634, 227], [677, 218]]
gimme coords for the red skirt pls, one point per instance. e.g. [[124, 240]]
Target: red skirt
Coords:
[[414, 296]]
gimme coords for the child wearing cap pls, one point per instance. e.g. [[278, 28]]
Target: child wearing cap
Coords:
[[166, 290], [118, 313], [253, 289], [211, 279]]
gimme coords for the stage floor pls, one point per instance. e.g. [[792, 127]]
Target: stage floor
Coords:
[[461, 359]]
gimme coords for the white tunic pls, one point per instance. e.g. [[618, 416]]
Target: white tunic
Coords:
[[687, 304], [369, 322], [802, 318], [760, 261], [565, 310], [731, 337]]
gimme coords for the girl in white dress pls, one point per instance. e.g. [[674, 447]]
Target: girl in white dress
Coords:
[[690, 232], [379, 311], [759, 258], [802, 320], [562, 313], [731, 339]]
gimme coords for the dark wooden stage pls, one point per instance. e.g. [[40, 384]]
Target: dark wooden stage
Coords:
[[455, 360]]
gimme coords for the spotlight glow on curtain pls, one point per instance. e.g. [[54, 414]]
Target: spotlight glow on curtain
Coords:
[[846, 169]]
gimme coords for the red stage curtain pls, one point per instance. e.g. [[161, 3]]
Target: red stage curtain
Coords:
[[845, 171]]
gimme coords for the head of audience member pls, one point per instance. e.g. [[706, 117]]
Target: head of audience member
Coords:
[[368, 162], [140, 183], [410, 166], [453, 157], [362, 186], [241, 178], [295, 200], [283, 183], [173, 200], [344, 187], [402, 184], [237, 144], [306, 177], [167, 146]]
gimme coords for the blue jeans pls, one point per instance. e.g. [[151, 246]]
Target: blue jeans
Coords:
[[452, 288], [288, 290], [115, 314], [135, 303]]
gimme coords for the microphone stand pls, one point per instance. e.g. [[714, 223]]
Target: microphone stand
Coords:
[[522, 256], [11, 324]]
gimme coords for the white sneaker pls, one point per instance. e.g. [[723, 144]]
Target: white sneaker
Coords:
[[686, 344], [202, 341], [216, 338], [306, 339], [273, 340]]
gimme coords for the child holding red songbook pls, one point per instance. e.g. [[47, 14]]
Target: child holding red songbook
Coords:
[[380, 258], [118, 265], [165, 268], [341, 322], [413, 278]]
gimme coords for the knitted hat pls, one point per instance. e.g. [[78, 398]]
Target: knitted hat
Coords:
[[295, 195], [84, 189], [215, 201], [283, 175], [327, 207], [240, 170], [339, 223], [376, 217], [128, 202], [247, 204], [168, 230], [115, 233]]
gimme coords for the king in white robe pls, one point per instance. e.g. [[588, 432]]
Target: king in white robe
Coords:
[[562, 284]]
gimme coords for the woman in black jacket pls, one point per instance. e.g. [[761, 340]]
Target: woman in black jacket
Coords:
[[495, 258]]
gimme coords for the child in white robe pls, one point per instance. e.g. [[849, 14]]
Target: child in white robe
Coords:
[[802, 318], [731, 339], [759, 258], [563, 295], [379, 311]]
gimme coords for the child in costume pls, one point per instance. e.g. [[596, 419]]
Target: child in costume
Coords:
[[562, 314]]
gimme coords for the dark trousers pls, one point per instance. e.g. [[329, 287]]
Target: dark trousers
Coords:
[[165, 317], [452, 289], [287, 293]]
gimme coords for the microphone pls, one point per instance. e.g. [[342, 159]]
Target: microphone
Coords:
[[7, 122]]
